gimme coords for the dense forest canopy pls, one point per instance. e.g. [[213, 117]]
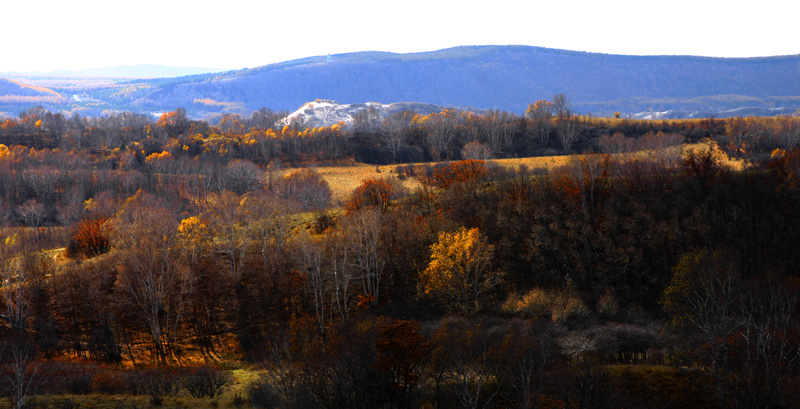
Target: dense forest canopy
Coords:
[[643, 272]]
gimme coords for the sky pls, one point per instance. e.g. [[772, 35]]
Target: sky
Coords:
[[45, 35]]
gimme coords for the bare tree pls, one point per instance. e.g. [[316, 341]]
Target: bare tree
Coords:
[[152, 280], [764, 352], [566, 123], [567, 127], [242, 176], [396, 131], [32, 213], [14, 281], [440, 130], [525, 356], [340, 273], [312, 260], [228, 217], [476, 150], [470, 361], [540, 113], [362, 234], [21, 373], [616, 144], [789, 133]]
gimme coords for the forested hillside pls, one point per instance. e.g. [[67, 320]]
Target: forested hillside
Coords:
[[485, 77], [178, 263]]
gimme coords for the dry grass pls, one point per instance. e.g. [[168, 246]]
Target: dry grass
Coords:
[[344, 179], [241, 378]]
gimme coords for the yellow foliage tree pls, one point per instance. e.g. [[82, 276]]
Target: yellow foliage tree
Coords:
[[459, 271]]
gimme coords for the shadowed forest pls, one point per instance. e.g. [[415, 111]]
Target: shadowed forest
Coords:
[[178, 263]]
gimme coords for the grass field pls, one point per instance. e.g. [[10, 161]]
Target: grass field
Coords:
[[344, 179]]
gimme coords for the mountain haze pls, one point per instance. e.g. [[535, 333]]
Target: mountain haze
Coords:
[[481, 77]]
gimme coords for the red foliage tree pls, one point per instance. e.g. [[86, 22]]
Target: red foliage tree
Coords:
[[456, 172], [90, 238], [373, 192]]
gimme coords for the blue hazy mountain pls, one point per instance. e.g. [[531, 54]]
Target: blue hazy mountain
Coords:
[[483, 77]]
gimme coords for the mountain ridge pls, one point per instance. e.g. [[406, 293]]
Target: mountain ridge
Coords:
[[478, 77]]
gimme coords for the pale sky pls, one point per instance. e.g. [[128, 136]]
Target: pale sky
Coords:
[[44, 35]]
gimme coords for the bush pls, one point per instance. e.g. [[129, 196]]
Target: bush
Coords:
[[569, 308], [206, 381], [153, 382], [261, 394], [374, 192], [559, 306], [536, 302], [305, 187], [110, 382]]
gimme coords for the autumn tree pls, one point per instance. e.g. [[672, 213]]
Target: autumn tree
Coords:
[[228, 215], [566, 123], [459, 272], [242, 176], [153, 283], [616, 144], [21, 374], [396, 129], [305, 187], [476, 150], [362, 232], [440, 129], [746, 330], [314, 275], [373, 192], [14, 281], [539, 114], [445, 175], [90, 238], [174, 123], [401, 351]]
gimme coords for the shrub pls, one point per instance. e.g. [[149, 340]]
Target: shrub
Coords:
[[306, 187], [153, 382], [110, 382], [446, 174], [607, 305], [535, 303], [374, 192], [261, 394], [569, 308], [206, 381], [559, 306]]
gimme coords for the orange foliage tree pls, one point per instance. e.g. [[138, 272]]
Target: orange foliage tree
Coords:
[[373, 192], [456, 172], [459, 271]]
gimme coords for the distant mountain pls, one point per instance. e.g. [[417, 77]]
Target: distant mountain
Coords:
[[17, 88], [123, 71], [480, 77], [502, 77]]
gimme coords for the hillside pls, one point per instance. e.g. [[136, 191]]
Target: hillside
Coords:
[[15, 88], [504, 77], [486, 77]]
